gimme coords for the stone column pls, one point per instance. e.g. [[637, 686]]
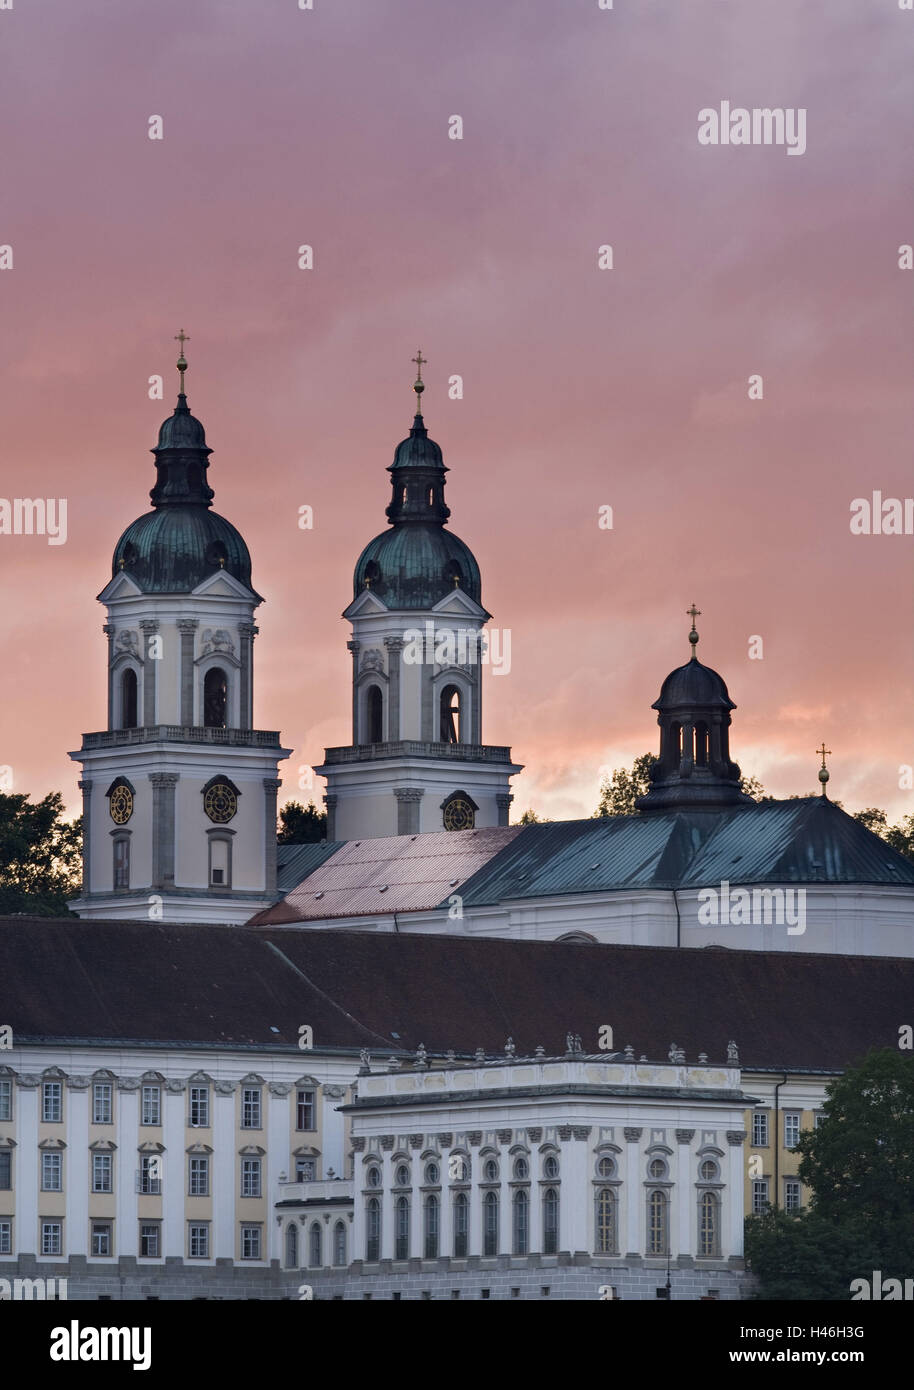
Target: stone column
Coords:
[[503, 802], [126, 1162], [685, 1192], [163, 828], [416, 1206], [85, 786], [634, 1194], [355, 648], [394, 647], [476, 697], [388, 1218], [445, 1210], [174, 1159], [77, 1163], [109, 631], [28, 1100], [687, 761], [247, 633], [271, 786], [408, 799], [576, 1179], [731, 1245], [149, 627], [330, 801], [225, 1176], [505, 1204], [187, 627]]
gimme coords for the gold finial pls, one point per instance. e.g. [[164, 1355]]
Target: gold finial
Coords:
[[823, 770], [693, 613], [181, 363], [419, 384]]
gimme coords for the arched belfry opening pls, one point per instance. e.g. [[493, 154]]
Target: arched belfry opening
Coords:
[[374, 715], [451, 707], [128, 699], [215, 698]]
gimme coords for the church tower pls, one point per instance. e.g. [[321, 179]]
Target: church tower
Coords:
[[694, 770], [417, 762], [179, 792]]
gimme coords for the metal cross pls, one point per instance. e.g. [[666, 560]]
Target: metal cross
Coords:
[[693, 613], [420, 362], [824, 751]]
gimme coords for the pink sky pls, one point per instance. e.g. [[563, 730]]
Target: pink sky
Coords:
[[582, 387]]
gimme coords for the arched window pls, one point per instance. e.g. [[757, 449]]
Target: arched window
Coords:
[[701, 745], [401, 1177], [676, 742], [708, 1225], [450, 714], [432, 1174], [657, 1223], [606, 1166], [315, 1242], [490, 1170], [490, 1224], [374, 714], [372, 1230], [374, 1177], [291, 1246], [215, 698], [128, 698], [521, 1222], [339, 1244], [521, 1169], [606, 1221], [401, 1229], [431, 1227], [550, 1167], [550, 1221], [461, 1225]]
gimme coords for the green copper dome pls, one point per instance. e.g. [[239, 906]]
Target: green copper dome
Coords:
[[413, 566], [172, 548], [417, 562]]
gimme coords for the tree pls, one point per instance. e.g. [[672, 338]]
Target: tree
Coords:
[[301, 825], [40, 856], [859, 1163], [801, 1256], [900, 837], [530, 817], [619, 792], [859, 1168]]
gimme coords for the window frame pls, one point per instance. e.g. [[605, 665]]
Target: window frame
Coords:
[[51, 1091], [52, 1163], [102, 1163]]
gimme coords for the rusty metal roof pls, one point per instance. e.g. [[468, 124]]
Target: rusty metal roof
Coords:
[[400, 873]]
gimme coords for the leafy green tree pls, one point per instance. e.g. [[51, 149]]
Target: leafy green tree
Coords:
[[801, 1256], [301, 825], [900, 837], [859, 1168], [620, 791], [40, 856], [531, 818]]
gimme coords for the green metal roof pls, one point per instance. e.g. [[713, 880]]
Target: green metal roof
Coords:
[[809, 840], [415, 566], [171, 549]]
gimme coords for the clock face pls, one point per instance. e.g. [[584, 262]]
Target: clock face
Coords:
[[220, 803], [459, 815], [120, 804]]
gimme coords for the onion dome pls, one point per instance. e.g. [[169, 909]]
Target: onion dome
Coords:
[[417, 561], [172, 548]]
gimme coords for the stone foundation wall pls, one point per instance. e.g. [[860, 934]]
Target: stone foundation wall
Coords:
[[505, 1278]]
